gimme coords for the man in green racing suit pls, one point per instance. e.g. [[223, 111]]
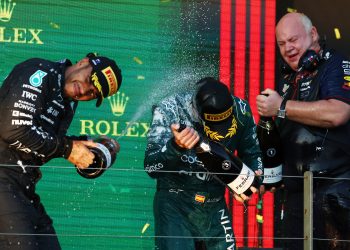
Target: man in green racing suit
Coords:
[[189, 204]]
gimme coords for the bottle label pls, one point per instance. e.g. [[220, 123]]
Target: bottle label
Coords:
[[272, 175], [107, 154], [243, 181]]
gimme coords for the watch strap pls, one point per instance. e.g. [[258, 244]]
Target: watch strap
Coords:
[[281, 113]]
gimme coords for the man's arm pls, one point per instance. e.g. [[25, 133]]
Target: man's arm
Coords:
[[166, 145], [21, 111], [322, 113], [248, 149], [23, 103], [161, 149], [333, 107]]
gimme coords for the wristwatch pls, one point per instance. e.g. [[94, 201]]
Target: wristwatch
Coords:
[[281, 113]]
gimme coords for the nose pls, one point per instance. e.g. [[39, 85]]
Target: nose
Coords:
[[288, 47]]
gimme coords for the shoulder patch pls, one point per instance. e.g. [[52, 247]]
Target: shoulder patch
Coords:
[[37, 78]]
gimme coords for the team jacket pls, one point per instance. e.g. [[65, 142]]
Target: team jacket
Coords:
[[34, 115], [177, 168], [323, 151]]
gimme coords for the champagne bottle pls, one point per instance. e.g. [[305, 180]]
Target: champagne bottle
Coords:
[[225, 167], [105, 155], [228, 168], [270, 145]]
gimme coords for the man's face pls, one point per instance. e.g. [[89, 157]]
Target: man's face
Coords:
[[293, 40], [78, 84]]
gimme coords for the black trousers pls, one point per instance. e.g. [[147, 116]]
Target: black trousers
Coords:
[[331, 207], [24, 223]]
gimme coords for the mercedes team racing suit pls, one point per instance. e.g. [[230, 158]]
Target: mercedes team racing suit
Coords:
[[189, 204], [325, 152], [34, 120]]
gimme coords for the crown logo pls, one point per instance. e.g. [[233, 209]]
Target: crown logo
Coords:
[[6, 9], [118, 103]]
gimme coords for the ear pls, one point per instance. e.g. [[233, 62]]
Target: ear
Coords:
[[83, 61], [314, 35]]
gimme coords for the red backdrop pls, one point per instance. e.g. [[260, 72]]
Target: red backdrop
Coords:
[[247, 65]]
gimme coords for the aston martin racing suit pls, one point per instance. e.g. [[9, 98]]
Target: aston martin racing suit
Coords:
[[34, 120], [189, 203], [325, 152]]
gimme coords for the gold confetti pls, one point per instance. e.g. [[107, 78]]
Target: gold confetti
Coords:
[[290, 10], [145, 228], [259, 218], [337, 33], [54, 25], [137, 60]]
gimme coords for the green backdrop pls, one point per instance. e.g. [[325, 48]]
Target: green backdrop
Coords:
[[161, 47]]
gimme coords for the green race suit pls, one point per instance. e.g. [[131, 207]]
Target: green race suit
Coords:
[[189, 204]]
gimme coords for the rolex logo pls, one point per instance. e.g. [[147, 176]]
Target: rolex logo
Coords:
[[118, 103], [6, 9]]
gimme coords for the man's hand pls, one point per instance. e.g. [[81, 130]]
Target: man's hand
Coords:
[[186, 138], [272, 189], [268, 102], [81, 156], [243, 197]]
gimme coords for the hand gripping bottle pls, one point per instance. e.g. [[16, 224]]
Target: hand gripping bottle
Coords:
[[224, 166], [270, 145], [105, 155]]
